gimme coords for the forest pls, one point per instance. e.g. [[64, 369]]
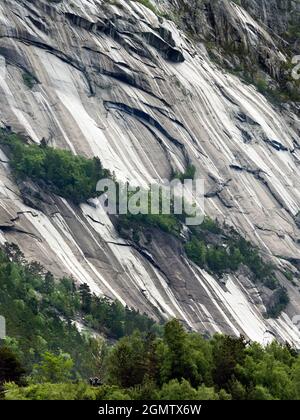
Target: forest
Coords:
[[60, 334], [45, 356]]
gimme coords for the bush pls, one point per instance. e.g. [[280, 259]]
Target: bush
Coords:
[[49, 391], [189, 173]]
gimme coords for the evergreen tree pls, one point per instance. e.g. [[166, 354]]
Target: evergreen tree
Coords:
[[86, 297], [10, 368], [228, 352]]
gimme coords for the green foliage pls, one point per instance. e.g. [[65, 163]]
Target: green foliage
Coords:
[[110, 393], [178, 354], [49, 391], [177, 366], [218, 258], [228, 352], [232, 251], [210, 225], [281, 303], [290, 277], [228, 255], [40, 314], [185, 366], [53, 369], [196, 251], [146, 218], [183, 390], [64, 391], [29, 80], [10, 367], [75, 178], [218, 249], [189, 173], [165, 222], [72, 177], [148, 4], [130, 361], [269, 372]]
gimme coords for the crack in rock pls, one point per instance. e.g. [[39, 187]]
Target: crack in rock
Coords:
[[142, 116], [12, 228], [20, 213]]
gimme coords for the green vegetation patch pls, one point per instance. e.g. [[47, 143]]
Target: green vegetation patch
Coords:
[[61, 172], [29, 80], [41, 312], [176, 366]]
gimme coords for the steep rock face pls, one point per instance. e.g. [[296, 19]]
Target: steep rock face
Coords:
[[278, 15], [257, 41], [116, 81]]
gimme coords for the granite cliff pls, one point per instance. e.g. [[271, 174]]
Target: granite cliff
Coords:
[[149, 91]]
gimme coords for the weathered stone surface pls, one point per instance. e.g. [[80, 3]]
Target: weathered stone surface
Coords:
[[120, 83]]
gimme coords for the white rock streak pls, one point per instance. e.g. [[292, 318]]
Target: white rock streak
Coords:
[[208, 114]]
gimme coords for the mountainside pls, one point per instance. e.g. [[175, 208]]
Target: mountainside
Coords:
[[150, 91]]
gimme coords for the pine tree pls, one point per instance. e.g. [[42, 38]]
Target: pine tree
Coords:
[[10, 368]]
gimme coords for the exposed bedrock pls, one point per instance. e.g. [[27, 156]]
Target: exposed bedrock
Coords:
[[116, 81]]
